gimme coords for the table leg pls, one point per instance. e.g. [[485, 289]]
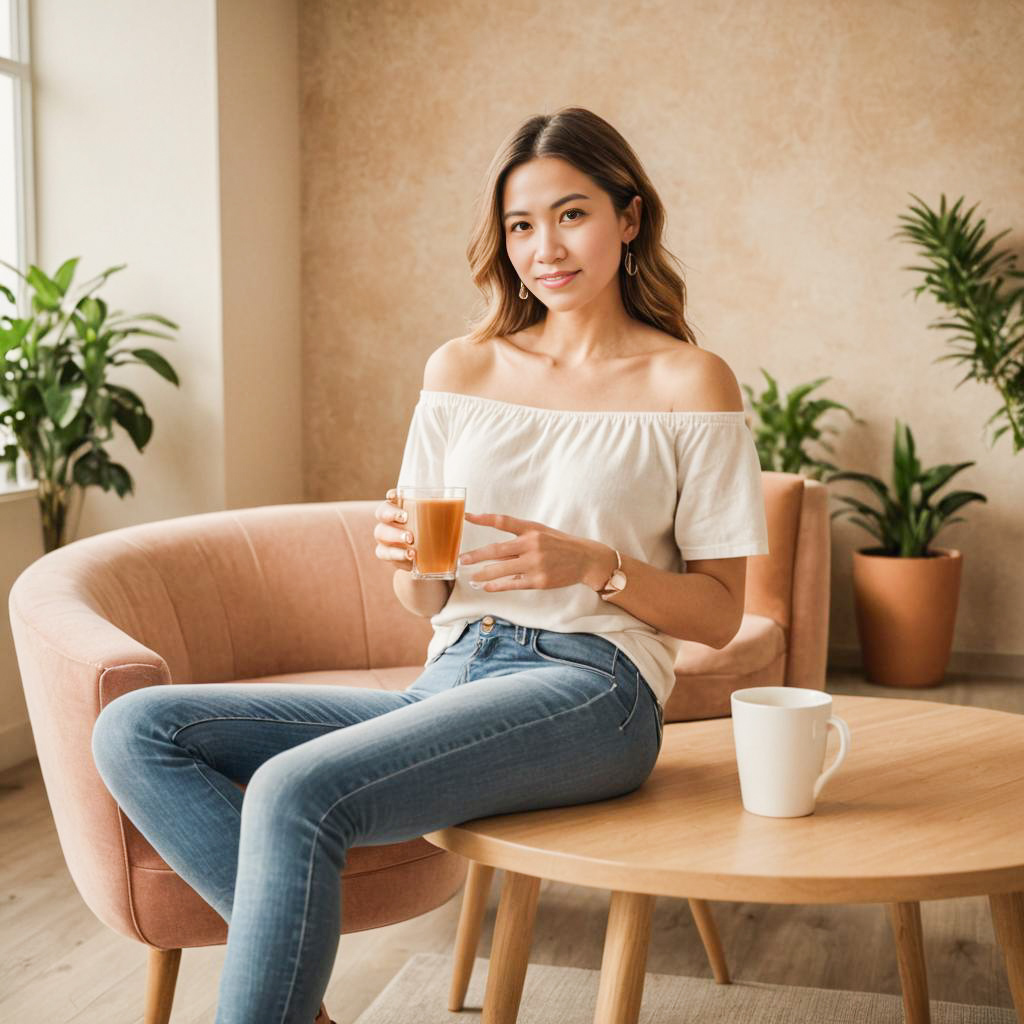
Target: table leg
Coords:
[[906, 929], [467, 938], [708, 931], [510, 949], [625, 958], [1008, 921]]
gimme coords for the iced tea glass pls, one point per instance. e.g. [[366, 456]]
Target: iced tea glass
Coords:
[[436, 515]]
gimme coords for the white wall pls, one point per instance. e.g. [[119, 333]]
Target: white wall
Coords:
[[133, 104], [127, 172]]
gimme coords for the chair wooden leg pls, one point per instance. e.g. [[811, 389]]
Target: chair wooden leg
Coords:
[[467, 938], [1008, 921], [624, 963], [906, 929], [708, 930], [161, 977], [510, 950]]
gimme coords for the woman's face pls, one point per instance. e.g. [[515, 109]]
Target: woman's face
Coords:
[[555, 219]]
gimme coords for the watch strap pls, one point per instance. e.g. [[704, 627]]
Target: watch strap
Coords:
[[607, 590]]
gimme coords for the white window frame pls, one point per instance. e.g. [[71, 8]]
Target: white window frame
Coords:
[[20, 70]]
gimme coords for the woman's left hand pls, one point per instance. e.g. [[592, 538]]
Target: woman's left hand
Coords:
[[538, 558]]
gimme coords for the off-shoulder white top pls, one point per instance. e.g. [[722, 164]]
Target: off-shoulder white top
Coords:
[[663, 487]]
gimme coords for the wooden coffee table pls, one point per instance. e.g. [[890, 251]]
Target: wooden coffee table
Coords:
[[927, 806]]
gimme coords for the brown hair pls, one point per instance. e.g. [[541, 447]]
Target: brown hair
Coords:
[[656, 295]]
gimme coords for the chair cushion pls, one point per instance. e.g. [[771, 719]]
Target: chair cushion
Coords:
[[758, 643], [396, 678]]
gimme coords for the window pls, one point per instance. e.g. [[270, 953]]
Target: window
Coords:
[[17, 221]]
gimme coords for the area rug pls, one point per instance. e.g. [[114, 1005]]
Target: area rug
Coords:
[[418, 994]]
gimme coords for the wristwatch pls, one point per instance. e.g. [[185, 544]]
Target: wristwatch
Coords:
[[616, 582]]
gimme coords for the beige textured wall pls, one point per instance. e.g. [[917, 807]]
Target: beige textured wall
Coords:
[[784, 138], [258, 149]]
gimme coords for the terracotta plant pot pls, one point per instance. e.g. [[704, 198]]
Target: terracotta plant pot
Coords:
[[906, 611]]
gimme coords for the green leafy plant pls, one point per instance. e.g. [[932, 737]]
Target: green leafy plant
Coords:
[[967, 277], [907, 521], [787, 422], [56, 404]]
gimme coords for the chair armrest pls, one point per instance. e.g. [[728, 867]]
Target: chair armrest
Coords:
[[73, 662], [806, 664]]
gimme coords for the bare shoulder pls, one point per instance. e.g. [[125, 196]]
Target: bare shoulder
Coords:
[[454, 366], [701, 381]]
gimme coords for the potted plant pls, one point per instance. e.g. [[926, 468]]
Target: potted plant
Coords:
[[56, 405], [905, 590], [966, 277], [785, 426]]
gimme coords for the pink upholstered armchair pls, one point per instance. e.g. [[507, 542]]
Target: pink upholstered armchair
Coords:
[[783, 639], [293, 593]]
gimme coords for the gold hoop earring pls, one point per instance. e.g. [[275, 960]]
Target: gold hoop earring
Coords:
[[523, 293], [631, 267]]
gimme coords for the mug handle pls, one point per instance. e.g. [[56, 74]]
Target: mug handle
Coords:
[[844, 746]]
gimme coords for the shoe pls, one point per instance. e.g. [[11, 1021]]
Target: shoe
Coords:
[[321, 1017]]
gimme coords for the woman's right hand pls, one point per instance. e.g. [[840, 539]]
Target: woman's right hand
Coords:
[[392, 533]]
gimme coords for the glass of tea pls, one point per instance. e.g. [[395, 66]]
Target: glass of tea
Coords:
[[436, 515]]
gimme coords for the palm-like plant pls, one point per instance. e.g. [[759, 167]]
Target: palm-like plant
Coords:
[[906, 522], [966, 276], [55, 400], [786, 425]]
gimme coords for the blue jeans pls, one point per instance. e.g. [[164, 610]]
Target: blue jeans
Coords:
[[508, 718]]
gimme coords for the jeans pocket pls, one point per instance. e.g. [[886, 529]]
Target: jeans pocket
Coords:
[[576, 650], [629, 703]]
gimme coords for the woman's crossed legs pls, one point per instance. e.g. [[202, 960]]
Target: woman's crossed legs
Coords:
[[488, 728]]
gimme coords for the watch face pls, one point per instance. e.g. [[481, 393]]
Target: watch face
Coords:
[[618, 580]]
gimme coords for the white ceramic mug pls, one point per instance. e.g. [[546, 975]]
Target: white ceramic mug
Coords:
[[780, 734]]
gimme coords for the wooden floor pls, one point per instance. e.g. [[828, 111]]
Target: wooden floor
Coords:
[[58, 964]]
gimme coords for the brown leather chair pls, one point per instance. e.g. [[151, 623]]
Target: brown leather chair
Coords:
[[293, 593]]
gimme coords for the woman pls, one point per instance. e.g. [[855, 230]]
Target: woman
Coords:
[[601, 448]]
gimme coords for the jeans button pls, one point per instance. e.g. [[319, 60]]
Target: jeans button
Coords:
[[487, 624]]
